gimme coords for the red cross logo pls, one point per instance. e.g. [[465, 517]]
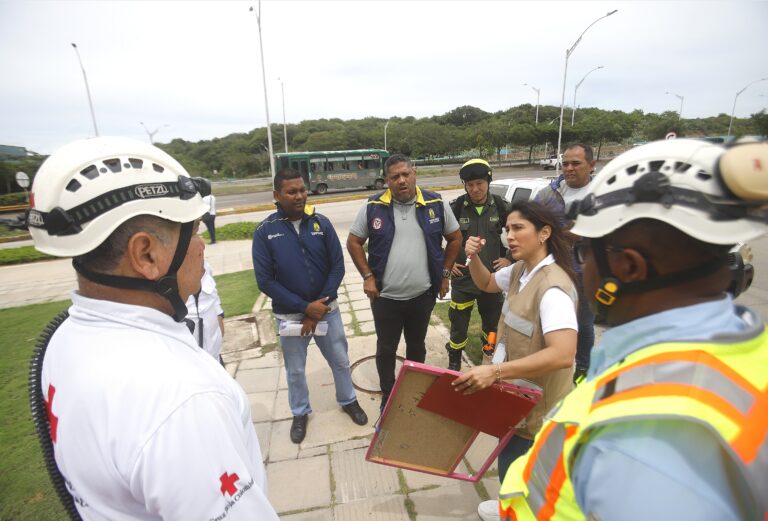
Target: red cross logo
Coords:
[[53, 421], [228, 483]]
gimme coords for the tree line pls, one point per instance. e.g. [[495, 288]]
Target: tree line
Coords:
[[451, 134], [462, 129]]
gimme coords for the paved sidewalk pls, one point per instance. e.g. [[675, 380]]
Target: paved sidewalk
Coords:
[[326, 477]]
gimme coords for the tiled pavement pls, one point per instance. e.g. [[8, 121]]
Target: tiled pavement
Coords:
[[326, 477]]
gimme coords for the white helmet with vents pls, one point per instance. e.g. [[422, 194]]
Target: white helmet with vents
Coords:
[[86, 189], [713, 193]]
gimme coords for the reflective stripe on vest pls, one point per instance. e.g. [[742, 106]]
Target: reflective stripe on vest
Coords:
[[516, 322], [702, 383], [717, 389]]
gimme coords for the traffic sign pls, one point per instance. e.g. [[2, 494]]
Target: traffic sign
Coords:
[[22, 180]]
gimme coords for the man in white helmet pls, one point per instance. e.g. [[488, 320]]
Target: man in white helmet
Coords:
[[143, 423], [672, 420]]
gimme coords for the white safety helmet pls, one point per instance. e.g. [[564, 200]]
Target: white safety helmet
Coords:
[[711, 192], [86, 189]]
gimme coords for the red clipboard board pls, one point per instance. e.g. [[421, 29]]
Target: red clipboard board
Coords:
[[428, 427]]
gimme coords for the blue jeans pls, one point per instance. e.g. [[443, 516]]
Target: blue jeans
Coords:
[[586, 336], [333, 346], [515, 448]]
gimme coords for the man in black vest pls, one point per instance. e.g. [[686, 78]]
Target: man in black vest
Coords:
[[480, 214]]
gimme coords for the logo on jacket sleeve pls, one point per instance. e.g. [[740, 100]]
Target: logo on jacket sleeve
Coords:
[[431, 213], [274, 236], [228, 483], [229, 486], [376, 223]]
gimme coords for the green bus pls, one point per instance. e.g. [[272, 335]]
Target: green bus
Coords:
[[337, 169]]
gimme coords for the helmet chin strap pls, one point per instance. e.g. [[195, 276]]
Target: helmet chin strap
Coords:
[[610, 287], [166, 286]]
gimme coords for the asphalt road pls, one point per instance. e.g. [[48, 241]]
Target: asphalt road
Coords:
[[264, 197]]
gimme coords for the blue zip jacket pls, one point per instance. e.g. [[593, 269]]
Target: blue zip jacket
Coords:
[[296, 269]]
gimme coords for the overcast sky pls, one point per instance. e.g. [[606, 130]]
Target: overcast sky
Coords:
[[195, 66]]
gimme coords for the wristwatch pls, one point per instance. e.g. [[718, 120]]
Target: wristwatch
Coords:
[[446, 273]]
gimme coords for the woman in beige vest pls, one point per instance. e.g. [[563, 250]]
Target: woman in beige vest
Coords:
[[537, 331]]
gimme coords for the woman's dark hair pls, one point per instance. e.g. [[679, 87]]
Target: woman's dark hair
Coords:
[[558, 244]]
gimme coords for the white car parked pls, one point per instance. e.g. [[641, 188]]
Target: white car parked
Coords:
[[521, 189]]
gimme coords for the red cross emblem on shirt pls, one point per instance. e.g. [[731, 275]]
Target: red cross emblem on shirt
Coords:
[[228, 483], [53, 421]]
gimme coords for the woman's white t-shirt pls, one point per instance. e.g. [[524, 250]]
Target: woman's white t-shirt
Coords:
[[556, 311]]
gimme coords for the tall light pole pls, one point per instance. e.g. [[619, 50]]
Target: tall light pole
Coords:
[[568, 53], [151, 134], [285, 128], [538, 93], [733, 110], [87, 90], [576, 89], [681, 98], [266, 100], [385, 134]]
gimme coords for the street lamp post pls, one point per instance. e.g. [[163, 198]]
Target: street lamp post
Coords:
[[285, 128], [538, 93], [576, 89], [733, 110], [266, 100], [568, 53], [385, 134], [87, 90], [681, 98], [151, 134]]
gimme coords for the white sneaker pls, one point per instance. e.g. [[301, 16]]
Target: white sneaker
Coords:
[[489, 510]]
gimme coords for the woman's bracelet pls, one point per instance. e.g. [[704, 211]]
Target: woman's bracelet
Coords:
[[498, 373]]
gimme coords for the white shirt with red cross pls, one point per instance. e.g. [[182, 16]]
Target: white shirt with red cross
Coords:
[[145, 425]]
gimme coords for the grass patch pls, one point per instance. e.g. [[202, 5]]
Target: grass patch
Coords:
[[21, 255], [238, 292], [474, 349], [26, 493], [5, 231], [233, 232]]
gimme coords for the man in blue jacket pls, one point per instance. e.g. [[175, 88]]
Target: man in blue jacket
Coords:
[[299, 264]]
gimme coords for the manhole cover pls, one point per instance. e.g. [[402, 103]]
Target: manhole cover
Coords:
[[365, 377]]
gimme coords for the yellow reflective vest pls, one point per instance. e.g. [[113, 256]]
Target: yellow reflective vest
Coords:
[[724, 386]]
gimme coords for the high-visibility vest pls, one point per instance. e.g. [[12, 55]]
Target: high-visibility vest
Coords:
[[722, 385]]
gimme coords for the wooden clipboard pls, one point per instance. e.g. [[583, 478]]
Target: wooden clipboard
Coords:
[[428, 427]]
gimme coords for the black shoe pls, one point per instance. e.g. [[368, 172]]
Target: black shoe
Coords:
[[298, 428], [356, 413], [454, 358]]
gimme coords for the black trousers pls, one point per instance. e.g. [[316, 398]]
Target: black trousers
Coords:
[[488, 305], [393, 318], [210, 222]]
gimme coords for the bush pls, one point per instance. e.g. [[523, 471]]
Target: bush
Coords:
[[21, 255], [13, 199], [234, 232]]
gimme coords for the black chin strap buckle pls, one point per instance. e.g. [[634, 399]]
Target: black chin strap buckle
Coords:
[[167, 285]]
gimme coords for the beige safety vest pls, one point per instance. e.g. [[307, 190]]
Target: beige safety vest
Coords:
[[520, 330]]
